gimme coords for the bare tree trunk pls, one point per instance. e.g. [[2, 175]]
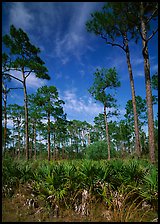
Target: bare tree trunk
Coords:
[[5, 119], [89, 139], [35, 141], [136, 128], [63, 152], [49, 143], [19, 143], [26, 115], [148, 88], [107, 134]]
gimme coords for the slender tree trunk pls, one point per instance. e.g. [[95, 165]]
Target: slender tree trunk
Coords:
[[107, 134], [31, 147], [26, 116], [54, 139], [49, 143], [13, 142], [136, 128], [63, 152], [19, 143], [148, 88], [5, 119], [89, 139], [35, 141]]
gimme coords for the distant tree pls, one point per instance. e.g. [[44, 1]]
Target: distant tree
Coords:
[[59, 132], [99, 125], [105, 79], [35, 116], [5, 91], [85, 133], [17, 115], [47, 98], [111, 25], [154, 81], [125, 135], [23, 57], [141, 112]]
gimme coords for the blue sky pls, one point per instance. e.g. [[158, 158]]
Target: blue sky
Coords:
[[72, 54]]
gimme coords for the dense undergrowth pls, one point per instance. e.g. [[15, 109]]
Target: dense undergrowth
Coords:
[[132, 182]]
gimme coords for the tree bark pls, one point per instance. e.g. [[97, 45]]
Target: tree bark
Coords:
[[49, 143], [34, 140], [26, 116], [19, 143], [107, 134], [5, 119], [89, 139], [148, 88], [136, 128], [63, 152]]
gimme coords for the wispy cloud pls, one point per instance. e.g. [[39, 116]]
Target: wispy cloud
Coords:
[[20, 16], [51, 19], [81, 106], [75, 39], [137, 61], [154, 68], [32, 81]]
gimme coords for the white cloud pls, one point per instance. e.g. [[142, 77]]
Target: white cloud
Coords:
[[58, 75], [53, 19], [84, 107], [138, 73], [76, 36], [154, 68], [20, 16], [137, 61], [32, 81]]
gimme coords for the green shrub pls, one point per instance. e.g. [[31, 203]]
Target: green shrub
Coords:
[[98, 150]]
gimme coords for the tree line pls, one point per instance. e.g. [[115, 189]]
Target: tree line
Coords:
[[117, 24]]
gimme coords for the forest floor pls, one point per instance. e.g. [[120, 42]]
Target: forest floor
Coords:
[[15, 209]]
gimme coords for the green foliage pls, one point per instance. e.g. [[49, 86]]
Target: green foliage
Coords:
[[141, 111], [154, 81], [98, 150], [15, 172], [149, 189], [64, 181], [26, 54], [47, 98], [104, 79]]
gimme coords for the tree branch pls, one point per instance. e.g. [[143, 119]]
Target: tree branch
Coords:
[[139, 30], [28, 74], [113, 44], [15, 78], [16, 88], [153, 33], [148, 20]]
